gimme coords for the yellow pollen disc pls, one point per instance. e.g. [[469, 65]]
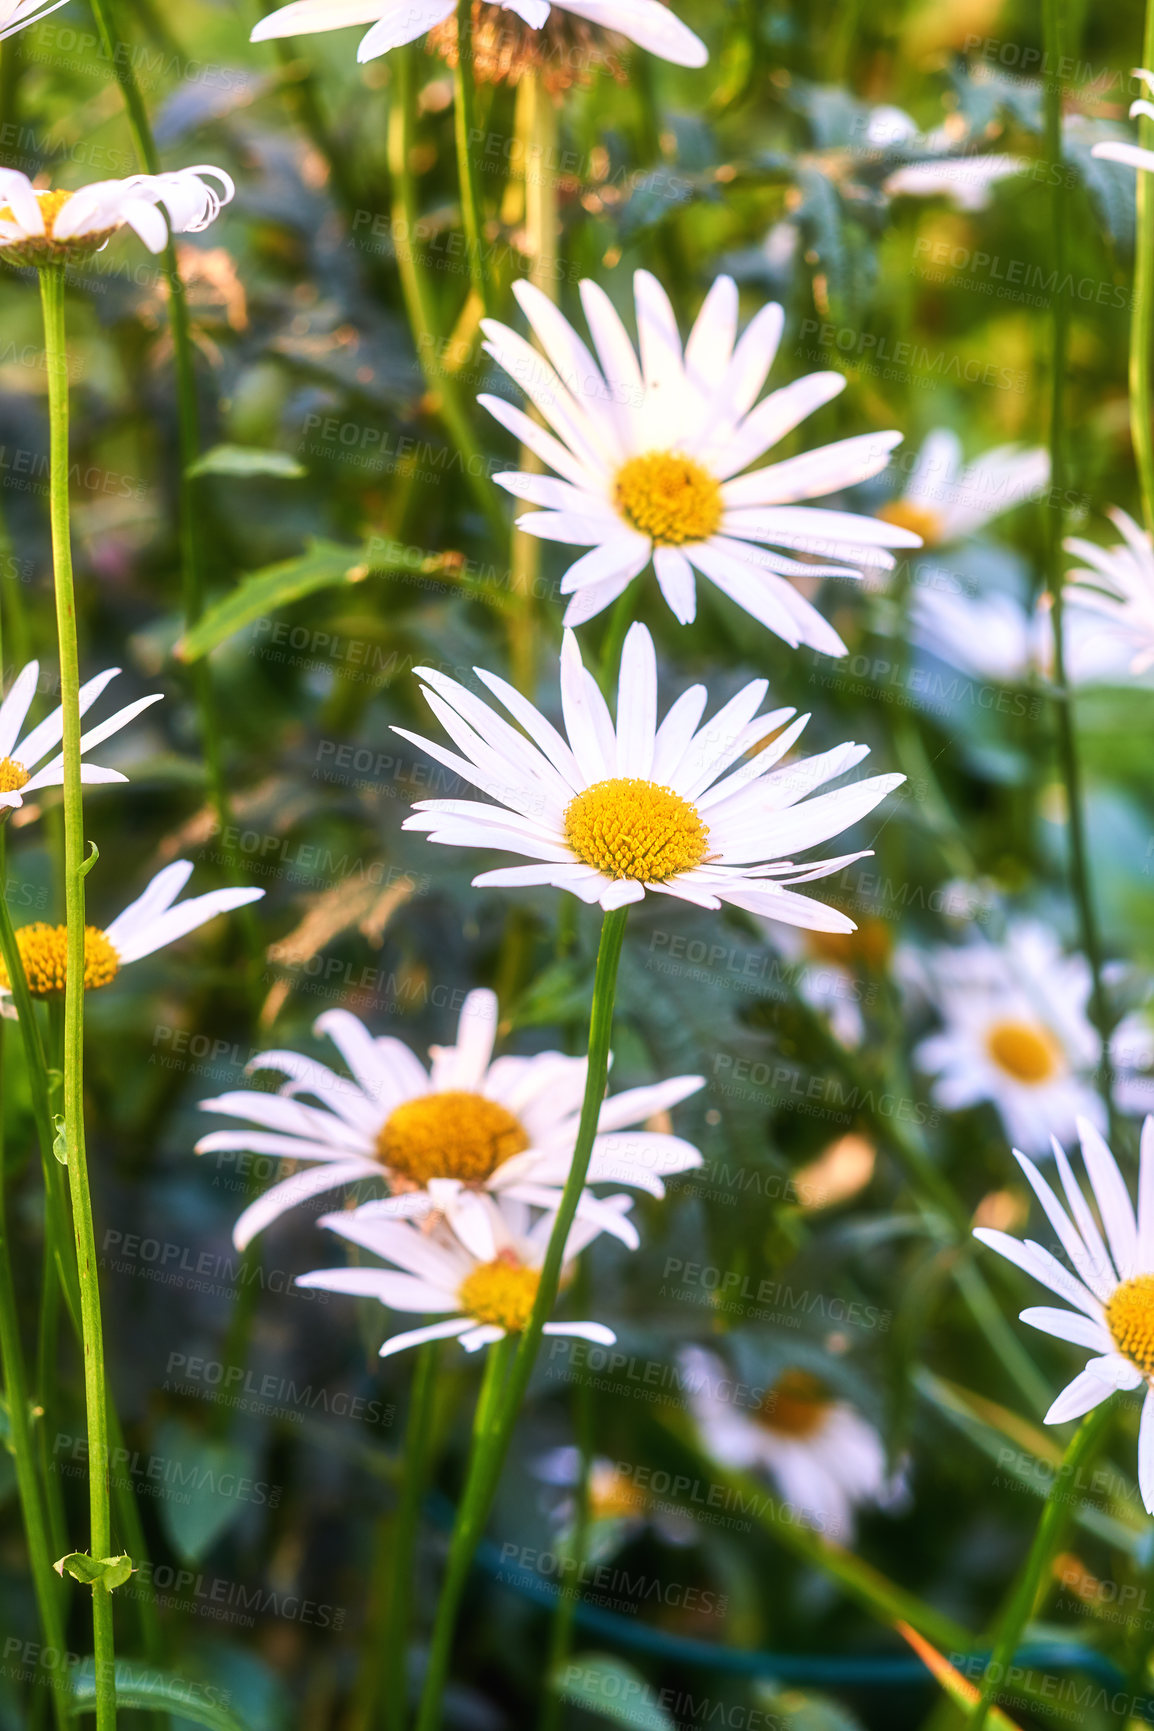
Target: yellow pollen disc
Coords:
[[796, 1406], [1025, 1052], [450, 1135], [868, 947], [635, 829], [13, 775], [500, 1293], [923, 520], [44, 953], [670, 498], [1130, 1319]]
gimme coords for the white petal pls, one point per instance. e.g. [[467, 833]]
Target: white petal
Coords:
[[301, 1187]]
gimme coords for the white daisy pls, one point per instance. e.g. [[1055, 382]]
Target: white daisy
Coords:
[[1016, 1032], [1120, 150], [648, 23], [470, 1122], [834, 972], [618, 811], [1119, 588], [945, 501], [824, 1457], [650, 455], [619, 1508], [480, 1267], [148, 924], [964, 180], [18, 14], [992, 635], [41, 227], [20, 758], [1111, 1288]]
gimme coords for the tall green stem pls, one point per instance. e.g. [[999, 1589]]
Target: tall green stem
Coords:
[[1049, 1530], [1056, 46], [56, 362], [565, 1610], [465, 126], [491, 1442], [414, 1478], [1142, 310], [415, 287], [45, 1585]]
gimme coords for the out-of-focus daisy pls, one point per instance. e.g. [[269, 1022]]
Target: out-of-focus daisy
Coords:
[[1119, 587], [1016, 1032], [470, 1122], [619, 1508], [824, 1457], [1111, 1288], [40, 227], [22, 766], [832, 971], [650, 454], [965, 180], [148, 924], [988, 636], [504, 38], [1120, 150], [481, 1273], [615, 812], [945, 500], [18, 14]]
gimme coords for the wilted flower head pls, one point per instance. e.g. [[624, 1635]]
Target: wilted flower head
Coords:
[[43, 227]]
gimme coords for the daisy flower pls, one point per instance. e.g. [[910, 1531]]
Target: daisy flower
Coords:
[[648, 23], [1016, 1032], [1111, 1288], [22, 766], [1120, 150], [824, 1457], [18, 14], [619, 1508], [40, 227], [650, 453], [613, 812], [834, 973], [964, 180], [1119, 587], [480, 1271], [507, 1126], [945, 501], [148, 924]]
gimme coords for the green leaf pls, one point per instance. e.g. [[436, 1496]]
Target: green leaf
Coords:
[[613, 1690], [60, 1140], [324, 566], [93, 856], [216, 1485], [137, 1686], [111, 1572], [242, 461]]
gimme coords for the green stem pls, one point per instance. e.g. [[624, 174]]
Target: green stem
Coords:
[[56, 362], [415, 287], [1056, 46], [414, 1478], [1036, 1572], [45, 1585], [565, 1610], [465, 127], [1142, 312], [491, 1444]]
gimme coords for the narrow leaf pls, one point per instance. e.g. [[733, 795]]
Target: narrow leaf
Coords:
[[137, 1686], [242, 461]]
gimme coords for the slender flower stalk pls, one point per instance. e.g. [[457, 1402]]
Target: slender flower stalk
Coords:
[[502, 1394], [1142, 311], [45, 1586], [415, 284], [565, 1609], [56, 366], [1036, 1572], [464, 124], [414, 1479], [1056, 45]]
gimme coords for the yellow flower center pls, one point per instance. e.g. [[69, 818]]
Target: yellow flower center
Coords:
[[867, 947], [668, 497], [1130, 1319], [923, 520], [796, 1406], [500, 1293], [635, 829], [1025, 1052], [449, 1135], [44, 954], [13, 775], [40, 249]]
